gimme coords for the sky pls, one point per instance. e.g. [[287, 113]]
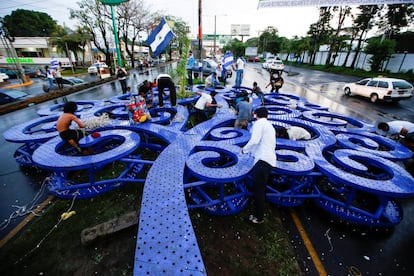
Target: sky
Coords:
[[289, 21]]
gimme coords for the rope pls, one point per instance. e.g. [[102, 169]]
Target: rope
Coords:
[[329, 239], [25, 209], [354, 271], [48, 233]]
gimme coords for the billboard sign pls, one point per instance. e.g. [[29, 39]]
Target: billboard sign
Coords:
[[240, 29], [250, 51]]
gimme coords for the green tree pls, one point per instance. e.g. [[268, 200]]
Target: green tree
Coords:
[[236, 47], [133, 19], [285, 46], [269, 41], [394, 17], [363, 23], [181, 31], [320, 32], [78, 41], [380, 49], [67, 40], [252, 42], [351, 33], [303, 46], [404, 42], [94, 17], [336, 39], [29, 23], [181, 70]]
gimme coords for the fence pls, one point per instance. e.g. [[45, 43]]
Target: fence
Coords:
[[401, 62]]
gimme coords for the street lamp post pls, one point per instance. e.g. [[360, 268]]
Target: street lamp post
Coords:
[[215, 34], [113, 3], [200, 29]]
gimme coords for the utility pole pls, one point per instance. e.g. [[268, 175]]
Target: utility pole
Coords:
[[200, 29], [113, 3], [215, 34], [11, 51]]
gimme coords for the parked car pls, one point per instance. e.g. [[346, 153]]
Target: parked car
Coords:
[[71, 81], [35, 72], [207, 67], [67, 81], [11, 95], [253, 59], [95, 68], [385, 89], [11, 72], [32, 72], [3, 77], [276, 65]]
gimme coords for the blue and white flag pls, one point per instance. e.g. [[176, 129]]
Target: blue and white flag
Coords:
[[228, 60], [54, 63], [160, 37]]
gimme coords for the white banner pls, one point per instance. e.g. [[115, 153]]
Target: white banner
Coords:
[[325, 3], [240, 29]]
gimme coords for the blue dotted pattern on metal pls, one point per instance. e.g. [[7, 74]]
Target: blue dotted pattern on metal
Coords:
[[166, 242], [129, 141]]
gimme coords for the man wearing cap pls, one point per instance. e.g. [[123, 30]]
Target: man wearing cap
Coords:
[[262, 145]]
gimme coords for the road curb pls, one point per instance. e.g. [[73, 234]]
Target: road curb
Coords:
[[7, 108], [19, 85]]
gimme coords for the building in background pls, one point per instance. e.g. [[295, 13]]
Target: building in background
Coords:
[[35, 51]]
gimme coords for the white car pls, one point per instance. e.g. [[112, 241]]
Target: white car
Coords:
[[265, 64], [276, 65], [4, 77], [94, 69], [268, 61], [385, 89]]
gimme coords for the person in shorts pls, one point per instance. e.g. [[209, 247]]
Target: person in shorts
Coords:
[[71, 136]]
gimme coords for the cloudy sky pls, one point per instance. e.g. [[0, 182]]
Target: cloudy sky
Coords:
[[289, 21]]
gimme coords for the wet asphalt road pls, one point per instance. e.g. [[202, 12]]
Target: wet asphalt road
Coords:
[[343, 249]]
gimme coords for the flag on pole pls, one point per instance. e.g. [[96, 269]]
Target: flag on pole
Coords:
[[228, 60], [160, 37], [54, 63]]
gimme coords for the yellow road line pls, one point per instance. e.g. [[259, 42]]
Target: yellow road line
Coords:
[[312, 252], [22, 224], [20, 85]]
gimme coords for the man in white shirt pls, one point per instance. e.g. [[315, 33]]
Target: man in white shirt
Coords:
[[211, 80], [294, 133], [239, 72], [165, 81], [204, 102], [49, 75], [397, 128], [262, 145]]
